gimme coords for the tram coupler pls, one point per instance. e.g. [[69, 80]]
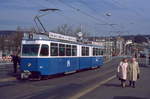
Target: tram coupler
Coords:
[[25, 74]]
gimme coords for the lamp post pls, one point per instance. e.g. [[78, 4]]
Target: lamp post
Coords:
[[109, 43]]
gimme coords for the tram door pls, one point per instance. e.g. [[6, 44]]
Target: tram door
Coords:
[[43, 61]]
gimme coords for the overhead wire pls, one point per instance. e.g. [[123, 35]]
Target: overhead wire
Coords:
[[43, 6], [84, 13], [116, 2], [136, 12], [97, 21], [84, 3]]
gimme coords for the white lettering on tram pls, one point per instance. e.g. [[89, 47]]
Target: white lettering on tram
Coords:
[[62, 37], [68, 63]]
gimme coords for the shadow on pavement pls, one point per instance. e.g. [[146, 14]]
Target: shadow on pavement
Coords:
[[112, 85], [144, 66], [128, 97], [6, 84]]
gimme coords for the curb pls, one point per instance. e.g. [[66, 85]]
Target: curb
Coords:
[[7, 79]]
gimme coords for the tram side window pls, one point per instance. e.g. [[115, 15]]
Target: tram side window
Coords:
[[54, 49], [85, 51], [102, 52], [94, 51], [44, 50], [97, 51], [68, 50], [30, 49], [74, 50], [62, 50]]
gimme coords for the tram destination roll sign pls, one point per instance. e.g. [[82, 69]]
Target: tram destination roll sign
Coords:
[[62, 37]]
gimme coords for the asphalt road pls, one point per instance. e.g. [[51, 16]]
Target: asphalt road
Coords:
[[88, 84]]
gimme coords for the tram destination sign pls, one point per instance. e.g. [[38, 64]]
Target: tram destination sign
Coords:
[[62, 37]]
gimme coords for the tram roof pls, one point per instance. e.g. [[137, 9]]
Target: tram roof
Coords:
[[44, 37]]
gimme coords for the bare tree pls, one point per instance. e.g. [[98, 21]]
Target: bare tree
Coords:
[[64, 29], [69, 30]]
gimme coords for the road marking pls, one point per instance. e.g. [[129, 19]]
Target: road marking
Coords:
[[6, 63], [93, 77], [77, 96], [8, 79]]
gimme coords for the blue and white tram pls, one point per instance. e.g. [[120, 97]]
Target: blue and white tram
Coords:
[[43, 56]]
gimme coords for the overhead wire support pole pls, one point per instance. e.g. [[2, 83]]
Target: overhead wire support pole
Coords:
[[36, 25], [38, 17]]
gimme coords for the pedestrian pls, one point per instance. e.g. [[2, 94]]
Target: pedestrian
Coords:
[[15, 60], [122, 71], [133, 72]]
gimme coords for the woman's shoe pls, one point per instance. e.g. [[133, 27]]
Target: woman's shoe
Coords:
[[123, 85], [133, 86]]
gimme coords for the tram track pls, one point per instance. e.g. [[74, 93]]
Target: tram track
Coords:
[[75, 86]]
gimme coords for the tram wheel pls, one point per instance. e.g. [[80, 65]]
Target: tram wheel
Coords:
[[45, 77]]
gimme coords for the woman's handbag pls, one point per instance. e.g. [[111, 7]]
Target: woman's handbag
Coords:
[[138, 76], [118, 76]]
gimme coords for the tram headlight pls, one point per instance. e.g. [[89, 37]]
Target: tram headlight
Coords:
[[41, 67], [29, 64]]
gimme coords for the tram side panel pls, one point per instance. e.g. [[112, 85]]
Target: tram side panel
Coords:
[[72, 64], [101, 61], [29, 64], [97, 61], [59, 65], [85, 62], [44, 66]]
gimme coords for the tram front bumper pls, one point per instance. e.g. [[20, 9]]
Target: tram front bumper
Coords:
[[25, 74]]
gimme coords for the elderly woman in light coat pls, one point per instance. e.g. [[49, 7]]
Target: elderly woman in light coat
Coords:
[[133, 72], [122, 71]]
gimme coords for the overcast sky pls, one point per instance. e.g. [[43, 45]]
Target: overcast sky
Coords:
[[128, 16]]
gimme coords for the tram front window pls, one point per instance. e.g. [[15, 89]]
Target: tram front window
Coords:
[[30, 50]]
